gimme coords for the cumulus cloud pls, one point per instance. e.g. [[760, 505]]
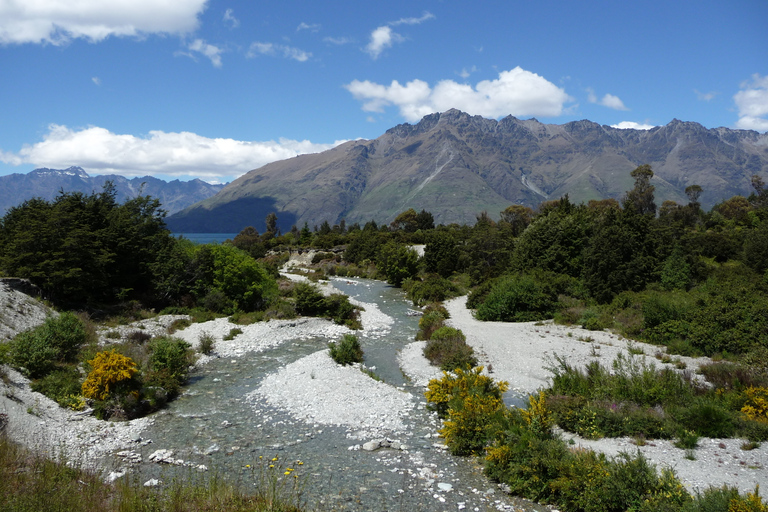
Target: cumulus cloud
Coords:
[[100, 151], [631, 125], [384, 37], [752, 102], [517, 92], [229, 18], [609, 100], [381, 39], [209, 50], [59, 21], [277, 50]]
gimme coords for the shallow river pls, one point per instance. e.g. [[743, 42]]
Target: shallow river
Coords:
[[213, 424]]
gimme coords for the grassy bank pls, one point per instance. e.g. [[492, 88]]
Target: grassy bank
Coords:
[[30, 482]]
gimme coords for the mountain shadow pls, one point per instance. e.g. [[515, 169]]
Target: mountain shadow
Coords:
[[230, 217]]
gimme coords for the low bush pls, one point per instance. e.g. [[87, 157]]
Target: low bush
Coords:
[[433, 318], [472, 405], [229, 336], [448, 350], [346, 351], [171, 355], [519, 298], [60, 385], [206, 343], [433, 288], [310, 302], [112, 384], [56, 341]]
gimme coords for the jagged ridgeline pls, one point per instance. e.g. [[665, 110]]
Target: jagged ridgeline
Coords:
[[47, 183], [455, 165]]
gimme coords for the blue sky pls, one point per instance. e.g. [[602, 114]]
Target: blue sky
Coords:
[[213, 89]]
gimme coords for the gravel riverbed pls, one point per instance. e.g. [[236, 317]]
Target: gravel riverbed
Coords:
[[314, 390]]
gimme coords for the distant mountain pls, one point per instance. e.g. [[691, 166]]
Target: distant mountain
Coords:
[[455, 165], [46, 183]]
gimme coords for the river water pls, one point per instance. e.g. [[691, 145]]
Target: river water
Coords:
[[214, 424]]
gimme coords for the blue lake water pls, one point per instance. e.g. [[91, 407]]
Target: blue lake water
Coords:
[[207, 238]]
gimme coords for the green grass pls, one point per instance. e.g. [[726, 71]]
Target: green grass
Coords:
[[29, 482]]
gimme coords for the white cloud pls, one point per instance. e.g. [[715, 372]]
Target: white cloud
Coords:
[[381, 39], [209, 50], [96, 80], [100, 151], [631, 125], [414, 21], [59, 21], [752, 102], [314, 27], [384, 37], [337, 40], [609, 100], [229, 18], [517, 92], [464, 73], [705, 96], [274, 50]]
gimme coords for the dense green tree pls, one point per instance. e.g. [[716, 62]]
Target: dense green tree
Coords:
[[518, 217], [425, 220], [441, 254], [555, 240], [398, 262], [619, 255], [226, 272], [641, 198], [407, 221], [249, 241], [85, 248]]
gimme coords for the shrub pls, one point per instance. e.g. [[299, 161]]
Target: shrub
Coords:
[[346, 351], [206, 342], [216, 300], [448, 349], [111, 374], [430, 321], [309, 300], [230, 336], [472, 403], [60, 385], [170, 355], [57, 340], [520, 298], [708, 420], [432, 289], [756, 406]]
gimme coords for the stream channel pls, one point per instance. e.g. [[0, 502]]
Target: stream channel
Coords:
[[214, 424]]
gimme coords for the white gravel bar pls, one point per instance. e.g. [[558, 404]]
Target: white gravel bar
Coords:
[[318, 390]]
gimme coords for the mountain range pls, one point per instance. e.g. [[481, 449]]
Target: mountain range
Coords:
[[455, 166], [46, 183]]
